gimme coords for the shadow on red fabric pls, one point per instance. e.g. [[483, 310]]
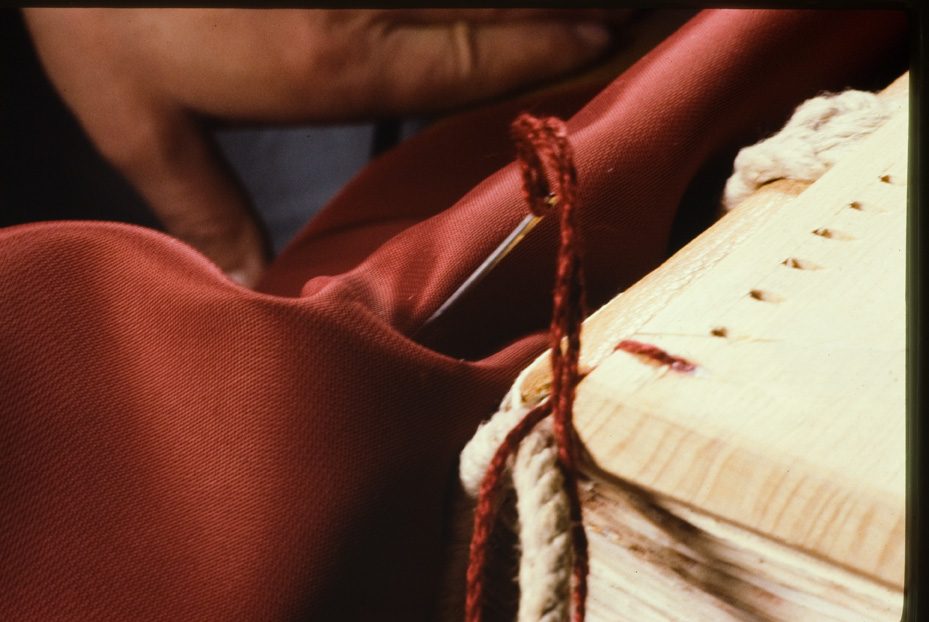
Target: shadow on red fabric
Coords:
[[177, 447]]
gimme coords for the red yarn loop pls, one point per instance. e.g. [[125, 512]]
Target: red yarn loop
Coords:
[[546, 163]]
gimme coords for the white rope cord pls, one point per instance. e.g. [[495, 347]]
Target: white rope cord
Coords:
[[544, 529], [821, 132], [542, 506], [477, 454]]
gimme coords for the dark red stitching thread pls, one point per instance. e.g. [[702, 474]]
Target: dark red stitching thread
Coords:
[[656, 354], [485, 512], [549, 184]]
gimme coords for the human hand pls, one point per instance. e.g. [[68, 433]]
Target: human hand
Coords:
[[140, 81]]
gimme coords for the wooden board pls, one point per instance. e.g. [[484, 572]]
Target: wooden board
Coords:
[[793, 425], [654, 560]]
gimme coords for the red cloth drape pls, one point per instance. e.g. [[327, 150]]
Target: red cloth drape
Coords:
[[175, 447]]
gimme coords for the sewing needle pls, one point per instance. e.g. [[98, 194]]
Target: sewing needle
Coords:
[[514, 238]]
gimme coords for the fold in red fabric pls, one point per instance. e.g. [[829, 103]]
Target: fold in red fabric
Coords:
[[173, 446]]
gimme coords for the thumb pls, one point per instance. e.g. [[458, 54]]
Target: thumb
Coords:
[[177, 168], [467, 61], [157, 145]]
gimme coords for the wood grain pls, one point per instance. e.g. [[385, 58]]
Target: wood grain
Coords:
[[655, 560]]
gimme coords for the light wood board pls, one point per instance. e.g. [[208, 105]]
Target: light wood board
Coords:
[[793, 425]]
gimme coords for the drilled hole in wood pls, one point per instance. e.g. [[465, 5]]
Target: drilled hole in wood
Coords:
[[894, 180], [763, 296], [719, 331], [873, 208], [800, 264], [866, 207], [832, 234]]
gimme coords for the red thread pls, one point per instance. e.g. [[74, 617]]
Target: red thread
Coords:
[[549, 183], [656, 354], [486, 510]]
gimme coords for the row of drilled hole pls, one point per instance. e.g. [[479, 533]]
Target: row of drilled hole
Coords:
[[803, 264]]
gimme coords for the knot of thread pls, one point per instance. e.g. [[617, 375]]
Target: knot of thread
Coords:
[[819, 133], [549, 184]]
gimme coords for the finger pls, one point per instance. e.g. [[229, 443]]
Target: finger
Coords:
[[157, 146], [465, 62], [168, 158], [434, 16], [345, 66], [179, 171]]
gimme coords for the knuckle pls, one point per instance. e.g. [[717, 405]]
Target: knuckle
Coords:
[[464, 55]]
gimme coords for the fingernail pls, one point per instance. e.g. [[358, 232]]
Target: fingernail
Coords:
[[241, 277], [593, 34]]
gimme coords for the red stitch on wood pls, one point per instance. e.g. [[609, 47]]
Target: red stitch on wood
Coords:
[[654, 353], [549, 184]]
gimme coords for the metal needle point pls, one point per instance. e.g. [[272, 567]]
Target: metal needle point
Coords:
[[515, 237]]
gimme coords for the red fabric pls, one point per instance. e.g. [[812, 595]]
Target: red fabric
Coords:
[[176, 447]]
